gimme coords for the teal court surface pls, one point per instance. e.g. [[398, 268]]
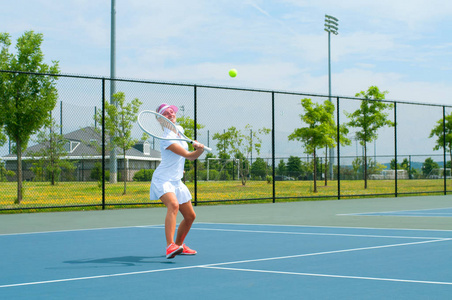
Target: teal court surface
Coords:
[[341, 249]]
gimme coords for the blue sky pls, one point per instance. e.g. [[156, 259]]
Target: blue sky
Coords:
[[403, 47]]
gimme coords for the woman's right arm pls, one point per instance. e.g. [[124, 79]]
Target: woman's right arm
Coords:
[[179, 150]]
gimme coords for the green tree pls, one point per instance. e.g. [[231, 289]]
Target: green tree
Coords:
[[428, 165], [281, 168], [213, 163], [259, 168], [357, 165], [189, 126], [189, 130], [25, 100], [143, 175], [320, 130], [49, 159], [226, 166], [2, 135], [373, 167], [370, 117], [119, 120], [5, 173], [343, 140], [96, 173], [239, 146], [443, 134], [293, 167], [392, 165], [405, 164]]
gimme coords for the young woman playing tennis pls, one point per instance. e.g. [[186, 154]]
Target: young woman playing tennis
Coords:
[[167, 186]]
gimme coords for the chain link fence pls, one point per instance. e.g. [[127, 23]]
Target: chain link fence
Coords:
[[402, 160]]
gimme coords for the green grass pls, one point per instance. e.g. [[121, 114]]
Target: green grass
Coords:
[[42, 194]]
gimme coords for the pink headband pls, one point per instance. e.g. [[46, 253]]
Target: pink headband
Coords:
[[161, 109]]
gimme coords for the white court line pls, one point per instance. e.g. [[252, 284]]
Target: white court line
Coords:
[[92, 277], [409, 212], [216, 264], [331, 276], [329, 252], [393, 211], [400, 214], [318, 233], [232, 224], [427, 214], [77, 230], [318, 226]]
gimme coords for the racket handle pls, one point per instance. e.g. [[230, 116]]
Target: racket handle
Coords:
[[205, 147]]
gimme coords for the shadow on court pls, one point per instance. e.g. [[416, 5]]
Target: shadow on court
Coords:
[[123, 260]]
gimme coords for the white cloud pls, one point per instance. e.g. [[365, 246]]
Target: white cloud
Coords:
[[352, 81], [412, 13], [402, 47]]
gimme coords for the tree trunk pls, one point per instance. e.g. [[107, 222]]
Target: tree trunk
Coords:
[[125, 186], [242, 172], [326, 166], [315, 172], [125, 174], [19, 171], [450, 163], [52, 168], [52, 160], [365, 165], [52, 177]]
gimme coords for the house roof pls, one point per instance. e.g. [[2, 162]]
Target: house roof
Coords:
[[85, 143]]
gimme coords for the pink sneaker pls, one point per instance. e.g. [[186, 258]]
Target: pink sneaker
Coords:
[[172, 250], [187, 251]]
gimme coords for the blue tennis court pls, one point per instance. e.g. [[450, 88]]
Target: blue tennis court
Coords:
[[234, 261]]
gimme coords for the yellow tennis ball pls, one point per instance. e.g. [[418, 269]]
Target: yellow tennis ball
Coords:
[[232, 72]]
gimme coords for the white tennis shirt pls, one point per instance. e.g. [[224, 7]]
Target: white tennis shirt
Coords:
[[171, 167]]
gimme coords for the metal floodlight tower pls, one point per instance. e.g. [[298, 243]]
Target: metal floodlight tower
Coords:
[[113, 158], [331, 26]]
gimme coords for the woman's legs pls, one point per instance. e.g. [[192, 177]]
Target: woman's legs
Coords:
[[172, 205], [189, 215], [187, 211]]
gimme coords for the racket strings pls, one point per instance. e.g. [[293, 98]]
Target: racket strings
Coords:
[[166, 125], [157, 125]]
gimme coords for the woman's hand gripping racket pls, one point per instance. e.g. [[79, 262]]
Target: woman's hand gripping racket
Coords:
[[162, 128]]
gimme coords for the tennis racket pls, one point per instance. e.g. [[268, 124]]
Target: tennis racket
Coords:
[[162, 128]]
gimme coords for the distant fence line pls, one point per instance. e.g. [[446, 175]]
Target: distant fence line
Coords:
[[217, 108]]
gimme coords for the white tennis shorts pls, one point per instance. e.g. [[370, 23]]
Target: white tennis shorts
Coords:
[[160, 188]]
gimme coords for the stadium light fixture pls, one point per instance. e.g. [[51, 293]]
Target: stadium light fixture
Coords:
[[331, 24]]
